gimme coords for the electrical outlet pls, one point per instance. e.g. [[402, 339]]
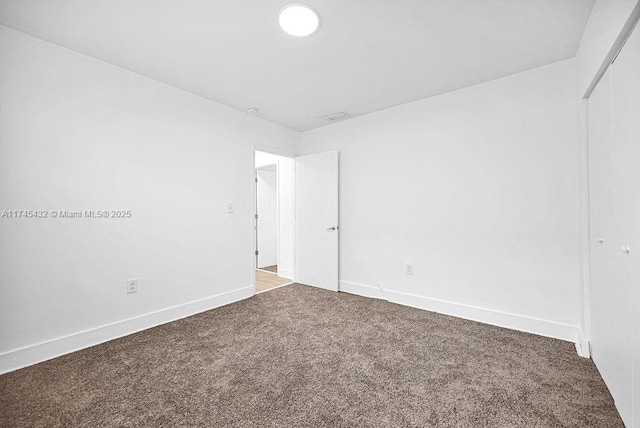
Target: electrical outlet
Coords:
[[408, 269], [231, 208], [132, 286]]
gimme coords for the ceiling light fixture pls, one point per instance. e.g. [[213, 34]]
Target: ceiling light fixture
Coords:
[[298, 19], [253, 110]]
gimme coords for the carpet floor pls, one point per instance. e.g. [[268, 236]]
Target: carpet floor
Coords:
[[302, 356]]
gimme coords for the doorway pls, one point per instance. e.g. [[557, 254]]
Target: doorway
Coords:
[[273, 227], [267, 218], [306, 211]]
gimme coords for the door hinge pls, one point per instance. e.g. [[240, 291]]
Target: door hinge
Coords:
[[256, 216], [256, 179], [256, 252]]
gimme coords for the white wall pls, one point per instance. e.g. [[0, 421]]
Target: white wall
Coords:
[[267, 208], [285, 217], [285, 209], [478, 189], [78, 134], [264, 159]]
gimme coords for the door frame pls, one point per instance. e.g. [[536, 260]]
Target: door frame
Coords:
[[252, 221]]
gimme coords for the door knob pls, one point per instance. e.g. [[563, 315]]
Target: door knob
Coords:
[[626, 249], [332, 228], [600, 240]]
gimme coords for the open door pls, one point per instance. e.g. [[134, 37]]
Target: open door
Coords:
[[316, 201]]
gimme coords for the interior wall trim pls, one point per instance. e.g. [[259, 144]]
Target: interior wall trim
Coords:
[[541, 327], [22, 357], [285, 273]]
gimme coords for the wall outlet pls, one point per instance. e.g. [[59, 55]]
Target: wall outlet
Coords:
[[408, 269], [132, 286], [231, 208]]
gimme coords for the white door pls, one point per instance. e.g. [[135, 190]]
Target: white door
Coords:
[[267, 211], [610, 294], [626, 204], [316, 195], [614, 186]]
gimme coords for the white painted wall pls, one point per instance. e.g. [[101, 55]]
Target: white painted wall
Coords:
[[285, 209], [78, 134], [267, 207], [264, 158], [286, 224], [478, 189]]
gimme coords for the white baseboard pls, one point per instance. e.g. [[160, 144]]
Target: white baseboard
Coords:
[[23, 357], [285, 273], [488, 316], [583, 347], [360, 289]]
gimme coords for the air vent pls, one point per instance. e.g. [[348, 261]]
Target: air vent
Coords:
[[336, 116]]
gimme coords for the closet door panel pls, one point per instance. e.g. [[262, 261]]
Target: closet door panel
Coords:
[[599, 202], [610, 300], [626, 204]]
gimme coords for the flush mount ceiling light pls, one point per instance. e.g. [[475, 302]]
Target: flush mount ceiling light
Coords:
[[298, 19]]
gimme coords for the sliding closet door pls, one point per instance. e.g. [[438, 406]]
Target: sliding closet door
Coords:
[[614, 185], [611, 322], [625, 124]]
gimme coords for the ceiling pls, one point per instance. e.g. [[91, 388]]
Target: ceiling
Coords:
[[367, 55]]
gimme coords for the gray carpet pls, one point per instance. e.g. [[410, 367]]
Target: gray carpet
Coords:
[[301, 356]]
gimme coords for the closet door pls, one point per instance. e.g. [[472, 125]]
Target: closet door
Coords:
[[625, 123], [611, 322], [614, 204]]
